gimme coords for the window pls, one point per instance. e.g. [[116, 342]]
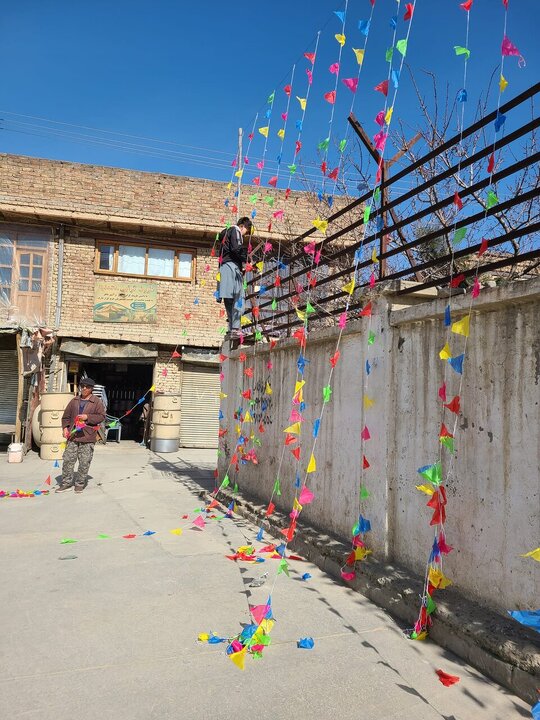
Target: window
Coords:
[[144, 261], [23, 270]]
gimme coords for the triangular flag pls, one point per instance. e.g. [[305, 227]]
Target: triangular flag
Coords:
[[312, 465], [239, 658], [306, 496], [359, 53], [461, 327], [349, 287], [445, 353]]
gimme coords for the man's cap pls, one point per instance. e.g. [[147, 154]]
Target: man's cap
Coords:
[[87, 382]]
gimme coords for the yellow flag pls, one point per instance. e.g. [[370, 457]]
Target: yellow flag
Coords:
[[281, 133], [239, 658], [349, 287], [293, 429], [203, 637], [425, 489], [229, 185], [359, 55], [264, 131], [301, 314], [238, 429], [421, 636], [368, 402], [222, 395], [320, 224], [247, 417], [438, 579], [535, 554], [152, 388], [268, 389], [239, 173], [244, 320], [203, 283], [360, 553], [445, 353], [388, 115], [218, 276], [299, 385], [374, 258], [296, 505], [340, 38], [302, 102], [312, 465], [266, 625], [259, 266], [503, 83], [177, 531], [461, 327]]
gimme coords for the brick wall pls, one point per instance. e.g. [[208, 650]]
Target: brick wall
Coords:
[[174, 300], [91, 192], [172, 381]]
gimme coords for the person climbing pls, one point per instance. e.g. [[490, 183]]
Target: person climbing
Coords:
[[80, 423], [230, 286]]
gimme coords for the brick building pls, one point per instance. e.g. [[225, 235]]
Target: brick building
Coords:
[[119, 264]]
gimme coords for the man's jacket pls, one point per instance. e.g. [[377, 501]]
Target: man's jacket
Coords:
[[93, 407], [233, 249]]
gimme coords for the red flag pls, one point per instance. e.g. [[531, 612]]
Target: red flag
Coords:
[[222, 357], [456, 282], [365, 463], [445, 678], [277, 281], [287, 193], [273, 181], [483, 247], [273, 344], [297, 148], [330, 97], [310, 57], [454, 405], [242, 357], [247, 394], [335, 357], [409, 9], [444, 432], [248, 372], [378, 174], [270, 509], [442, 392], [491, 163], [255, 311], [212, 504], [261, 428], [466, 5], [48, 480], [176, 354], [324, 167], [289, 439], [382, 87], [366, 312], [296, 452], [457, 201], [287, 89], [234, 459], [333, 175]]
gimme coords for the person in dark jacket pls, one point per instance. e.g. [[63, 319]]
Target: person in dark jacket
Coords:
[[230, 287], [80, 423]]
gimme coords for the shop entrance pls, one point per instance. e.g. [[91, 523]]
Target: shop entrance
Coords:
[[124, 384]]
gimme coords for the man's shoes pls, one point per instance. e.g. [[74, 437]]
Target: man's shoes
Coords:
[[62, 487], [79, 488]]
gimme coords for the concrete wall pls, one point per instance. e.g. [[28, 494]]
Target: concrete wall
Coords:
[[493, 512]]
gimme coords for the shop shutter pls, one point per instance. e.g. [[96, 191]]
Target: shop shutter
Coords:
[[199, 423], [8, 379]]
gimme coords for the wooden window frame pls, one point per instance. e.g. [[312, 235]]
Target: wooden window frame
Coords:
[[115, 244]]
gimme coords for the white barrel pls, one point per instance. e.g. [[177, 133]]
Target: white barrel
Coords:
[[50, 425], [165, 425]]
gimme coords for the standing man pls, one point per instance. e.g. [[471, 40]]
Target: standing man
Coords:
[[230, 287], [80, 423]]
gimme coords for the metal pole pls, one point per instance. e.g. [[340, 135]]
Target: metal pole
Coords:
[[239, 165]]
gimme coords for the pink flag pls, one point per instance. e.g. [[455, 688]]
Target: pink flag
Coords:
[[259, 612], [379, 119], [260, 164], [268, 245], [334, 68], [442, 392], [310, 57], [309, 76], [317, 257], [199, 522], [330, 97], [372, 280], [475, 292], [297, 147], [351, 83], [279, 214], [508, 48], [365, 433], [273, 181], [306, 496], [382, 87], [284, 116], [380, 140], [342, 320]]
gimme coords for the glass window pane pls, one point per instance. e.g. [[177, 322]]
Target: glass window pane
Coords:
[[131, 259], [23, 285], [184, 265], [24, 271], [6, 251], [106, 257], [36, 273], [25, 259], [38, 259], [36, 286], [160, 262], [35, 240], [5, 276]]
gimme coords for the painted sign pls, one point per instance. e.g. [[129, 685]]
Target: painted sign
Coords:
[[125, 302]]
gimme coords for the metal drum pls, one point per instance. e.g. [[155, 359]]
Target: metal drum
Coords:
[[165, 425], [50, 425]]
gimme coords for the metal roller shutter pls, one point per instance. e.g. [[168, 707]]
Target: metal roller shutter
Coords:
[[199, 422], [8, 379]]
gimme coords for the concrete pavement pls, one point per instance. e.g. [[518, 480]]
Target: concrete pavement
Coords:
[[112, 632]]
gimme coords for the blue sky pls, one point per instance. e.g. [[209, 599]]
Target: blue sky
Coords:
[[190, 74]]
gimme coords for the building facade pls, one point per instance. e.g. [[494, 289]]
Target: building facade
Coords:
[[121, 265]]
